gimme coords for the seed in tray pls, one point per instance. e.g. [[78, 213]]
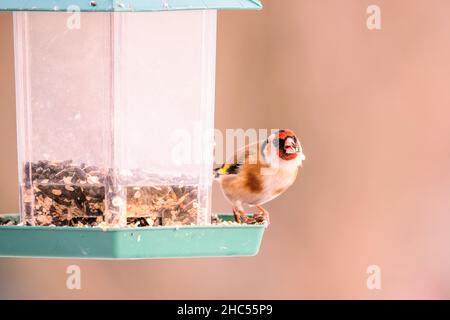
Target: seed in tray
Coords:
[[92, 179], [56, 192], [90, 168], [79, 174], [137, 194]]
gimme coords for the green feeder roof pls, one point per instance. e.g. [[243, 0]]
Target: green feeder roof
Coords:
[[125, 5]]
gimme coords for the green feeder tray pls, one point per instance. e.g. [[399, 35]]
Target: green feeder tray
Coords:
[[130, 243]]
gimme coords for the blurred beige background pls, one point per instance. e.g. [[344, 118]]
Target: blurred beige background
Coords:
[[373, 112]]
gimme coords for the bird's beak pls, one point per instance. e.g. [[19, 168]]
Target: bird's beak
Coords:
[[290, 146]]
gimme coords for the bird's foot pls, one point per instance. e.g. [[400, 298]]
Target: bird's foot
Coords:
[[250, 220], [262, 216], [240, 216]]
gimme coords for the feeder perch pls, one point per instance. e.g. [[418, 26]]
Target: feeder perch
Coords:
[[115, 117]]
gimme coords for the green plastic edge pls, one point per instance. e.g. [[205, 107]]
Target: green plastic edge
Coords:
[[131, 243], [127, 5]]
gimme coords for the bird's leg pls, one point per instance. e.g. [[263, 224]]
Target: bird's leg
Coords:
[[240, 216], [262, 215], [237, 214]]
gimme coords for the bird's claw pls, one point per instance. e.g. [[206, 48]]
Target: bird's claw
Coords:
[[262, 217]]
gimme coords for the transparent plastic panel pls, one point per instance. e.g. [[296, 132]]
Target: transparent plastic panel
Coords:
[[165, 64], [63, 78], [66, 75]]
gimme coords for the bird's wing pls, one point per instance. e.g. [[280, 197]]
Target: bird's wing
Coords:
[[246, 155], [227, 169]]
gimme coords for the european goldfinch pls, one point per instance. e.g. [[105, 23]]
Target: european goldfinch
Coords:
[[260, 172]]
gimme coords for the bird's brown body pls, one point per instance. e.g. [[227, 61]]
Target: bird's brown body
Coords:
[[250, 187], [257, 174]]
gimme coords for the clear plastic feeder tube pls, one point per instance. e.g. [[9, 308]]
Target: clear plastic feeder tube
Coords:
[[115, 117]]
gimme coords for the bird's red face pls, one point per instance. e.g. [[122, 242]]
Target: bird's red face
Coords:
[[287, 144]]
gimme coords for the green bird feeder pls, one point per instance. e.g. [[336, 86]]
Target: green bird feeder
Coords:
[[115, 119]]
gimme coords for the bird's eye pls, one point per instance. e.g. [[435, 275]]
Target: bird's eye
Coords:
[[276, 143]]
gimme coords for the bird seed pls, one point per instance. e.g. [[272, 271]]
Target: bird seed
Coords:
[[61, 193]]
